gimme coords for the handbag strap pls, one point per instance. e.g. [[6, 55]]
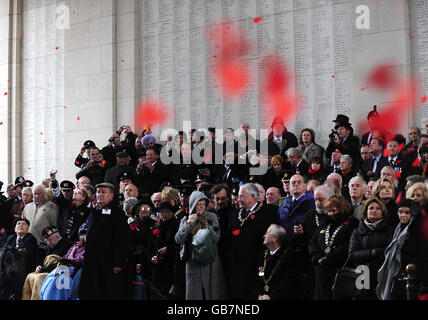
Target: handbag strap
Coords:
[[346, 262]]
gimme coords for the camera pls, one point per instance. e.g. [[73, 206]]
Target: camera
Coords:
[[333, 134]]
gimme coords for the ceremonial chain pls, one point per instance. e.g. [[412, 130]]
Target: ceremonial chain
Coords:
[[259, 205], [262, 271], [329, 241]]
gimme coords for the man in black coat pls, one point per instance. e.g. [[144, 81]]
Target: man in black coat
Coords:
[[152, 173], [105, 249], [282, 137], [247, 227], [112, 174], [298, 164], [19, 258], [278, 268], [94, 168]]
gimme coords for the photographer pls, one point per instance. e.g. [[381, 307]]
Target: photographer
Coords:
[[94, 168], [80, 160]]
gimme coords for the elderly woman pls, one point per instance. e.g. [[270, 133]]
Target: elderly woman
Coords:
[[407, 247], [384, 190], [307, 146], [328, 248], [419, 193], [275, 173], [128, 206], [139, 238], [414, 133], [163, 252], [203, 281], [369, 241]]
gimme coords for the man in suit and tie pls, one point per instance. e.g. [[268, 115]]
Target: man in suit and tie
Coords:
[[292, 210], [371, 166], [152, 173], [282, 137], [335, 162]]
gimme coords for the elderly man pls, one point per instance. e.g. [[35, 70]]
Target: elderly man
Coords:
[[83, 181], [273, 195], [346, 165], [21, 244], [388, 173], [294, 157], [292, 210], [334, 181], [357, 191], [56, 245], [156, 199], [105, 249], [248, 226], [282, 137], [131, 191], [261, 192], [278, 270], [153, 173], [40, 213], [27, 195]]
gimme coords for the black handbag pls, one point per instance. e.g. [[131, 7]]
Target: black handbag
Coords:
[[344, 285]]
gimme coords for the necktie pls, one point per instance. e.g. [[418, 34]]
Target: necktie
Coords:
[[20, 243], [226, 174]]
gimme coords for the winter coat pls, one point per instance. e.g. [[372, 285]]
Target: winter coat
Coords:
[[309, 152], [105, 248], [246, 243], [79, 215], [45, 215], [164, 272], [284, 283], [363, 240], [335, 259], [291, 214], [272, 179], [202, 280]]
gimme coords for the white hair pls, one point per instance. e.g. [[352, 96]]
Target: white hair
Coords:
[[336, 176], [325, 189], [363, 182], [251, 189]]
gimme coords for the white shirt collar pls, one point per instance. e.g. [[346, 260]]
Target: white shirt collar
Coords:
[[253, 207], [273, 252]]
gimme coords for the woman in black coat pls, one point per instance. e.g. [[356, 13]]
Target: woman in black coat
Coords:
[[163, 251], [368, 243], [140, 235], [328, 248], [274, 175], [384, 190]]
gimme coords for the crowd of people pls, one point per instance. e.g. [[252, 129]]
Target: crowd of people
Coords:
[[192, 230]]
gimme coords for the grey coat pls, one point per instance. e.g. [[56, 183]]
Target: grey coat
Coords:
[[311, 151], [202, 278]]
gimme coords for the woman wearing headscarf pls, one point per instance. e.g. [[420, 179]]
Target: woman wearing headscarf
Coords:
[[408, 246], [368, 243], [203, 281], [328, 248]]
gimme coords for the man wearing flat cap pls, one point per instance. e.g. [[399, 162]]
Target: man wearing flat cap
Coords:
[[105, 249], [112, 175]]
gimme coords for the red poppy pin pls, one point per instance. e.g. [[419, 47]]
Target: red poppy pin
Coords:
[[236, 232], [346, 223], [134, 226], [155, 232], [252, 217], [398, 161]]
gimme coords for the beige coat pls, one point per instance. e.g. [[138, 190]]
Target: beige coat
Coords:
[[43, 216]]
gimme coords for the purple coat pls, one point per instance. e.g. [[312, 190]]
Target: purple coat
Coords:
[[75, 253], [291, 214]]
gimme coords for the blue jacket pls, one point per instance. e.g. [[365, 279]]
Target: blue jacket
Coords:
[[290, 214]]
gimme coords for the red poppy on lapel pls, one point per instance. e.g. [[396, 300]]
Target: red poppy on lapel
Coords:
[[252, 216], [155, 232], [236, 232]]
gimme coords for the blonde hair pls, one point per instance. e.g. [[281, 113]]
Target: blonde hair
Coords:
[[170, 194], [420, 186], [378, 186], [49, 194]]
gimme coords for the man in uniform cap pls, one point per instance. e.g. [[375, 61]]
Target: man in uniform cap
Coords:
[[80, 159], [19, 184], [56, 244], [105, 249], [113, 174]]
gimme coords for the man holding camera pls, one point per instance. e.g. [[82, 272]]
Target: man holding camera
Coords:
[[94, 168], [80, 159]]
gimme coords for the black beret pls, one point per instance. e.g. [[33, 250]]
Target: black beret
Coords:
[[89, 144], [22, 219]]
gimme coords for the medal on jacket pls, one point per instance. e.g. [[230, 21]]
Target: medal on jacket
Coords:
[[266, 288], [327, 250], [261, 271]]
